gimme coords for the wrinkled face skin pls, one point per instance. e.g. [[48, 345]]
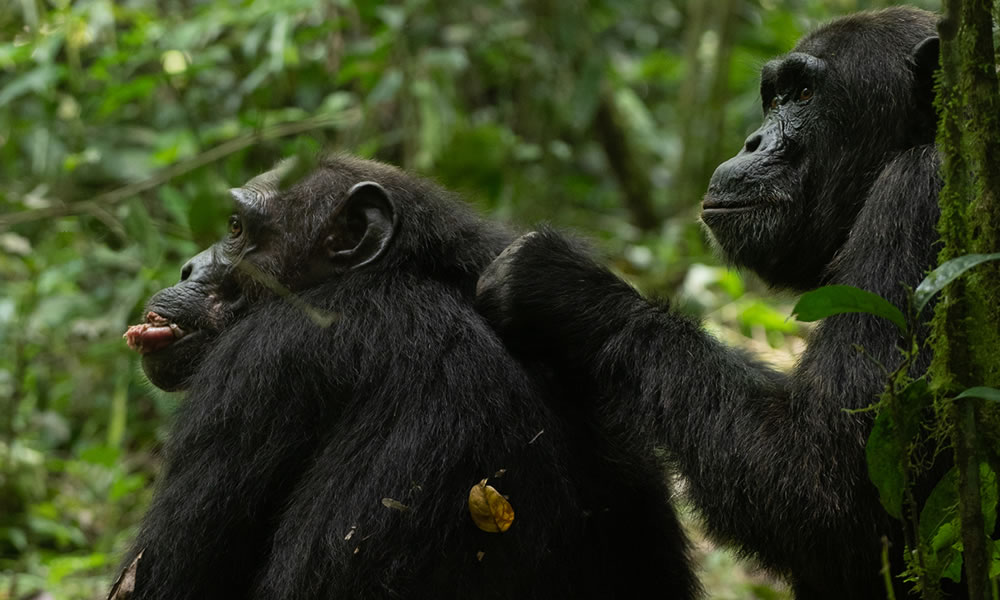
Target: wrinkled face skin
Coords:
[[753, 196], [278, 241], [836, 110]]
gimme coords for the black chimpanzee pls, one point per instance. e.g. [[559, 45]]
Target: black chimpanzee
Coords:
[[343, 397], [839, 185]]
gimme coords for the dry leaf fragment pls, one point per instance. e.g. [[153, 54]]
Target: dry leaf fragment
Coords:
[[124, 586], [394, 504], [490, 511]]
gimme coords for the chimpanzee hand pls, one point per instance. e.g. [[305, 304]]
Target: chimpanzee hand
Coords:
[[547, 297]]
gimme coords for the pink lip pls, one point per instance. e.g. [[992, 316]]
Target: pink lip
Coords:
[[155, 334]]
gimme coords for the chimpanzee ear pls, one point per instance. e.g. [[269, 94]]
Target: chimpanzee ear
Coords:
[[926, 62], [362, 227]]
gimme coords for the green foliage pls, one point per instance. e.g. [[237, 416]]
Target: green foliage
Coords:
[[908, 422], [886, 459], [896, 428], [838, 299], [940, 523], [944, 274], [986, 393]]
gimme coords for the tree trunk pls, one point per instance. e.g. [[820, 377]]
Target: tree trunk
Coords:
[[967, 320]]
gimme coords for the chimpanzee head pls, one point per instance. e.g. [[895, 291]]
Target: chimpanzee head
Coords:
[[348, 216], [844, 102]]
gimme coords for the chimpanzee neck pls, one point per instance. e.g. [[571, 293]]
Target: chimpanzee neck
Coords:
[[342, 336]]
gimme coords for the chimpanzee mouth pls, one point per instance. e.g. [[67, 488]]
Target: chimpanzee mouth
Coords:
[[718, 206], [156, 333]]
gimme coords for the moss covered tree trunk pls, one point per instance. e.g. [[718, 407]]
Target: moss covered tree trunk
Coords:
[[967, 321]]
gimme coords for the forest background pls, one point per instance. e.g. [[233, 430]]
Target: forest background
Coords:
[[122, 125]]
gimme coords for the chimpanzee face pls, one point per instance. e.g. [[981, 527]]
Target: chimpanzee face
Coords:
[[279, 242], [785, 203]]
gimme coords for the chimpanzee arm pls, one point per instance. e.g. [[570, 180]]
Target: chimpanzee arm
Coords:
[[774, 462]]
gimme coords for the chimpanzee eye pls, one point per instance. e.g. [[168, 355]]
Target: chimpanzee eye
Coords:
[[235, 226], [805, 94]]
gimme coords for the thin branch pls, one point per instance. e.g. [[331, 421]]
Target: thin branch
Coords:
[[94, 205]]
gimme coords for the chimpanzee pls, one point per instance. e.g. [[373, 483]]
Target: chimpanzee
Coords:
[[342, 399], [838, 186]]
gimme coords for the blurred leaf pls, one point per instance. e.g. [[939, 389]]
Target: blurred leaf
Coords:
[[731, 283], [137, 88], [125, 486], [387, 87], [449, 60], [953, 570], [994, 547], [951, 270], [105, 456], [940, 508], [15, 536], [35, 81], [940, 523], [985, 393], [914, 399], [63, 566], [764, 315], [885, 457], [839, 299], [52, 529], [587, 92]]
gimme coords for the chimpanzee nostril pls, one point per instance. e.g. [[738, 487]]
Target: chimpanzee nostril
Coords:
[[753, 142], [199, 267]]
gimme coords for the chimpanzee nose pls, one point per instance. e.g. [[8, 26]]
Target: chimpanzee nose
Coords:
[[196, 268], [765, 140], [753, 142]]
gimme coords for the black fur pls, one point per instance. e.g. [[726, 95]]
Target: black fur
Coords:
[[839, 186], [293, 433]]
